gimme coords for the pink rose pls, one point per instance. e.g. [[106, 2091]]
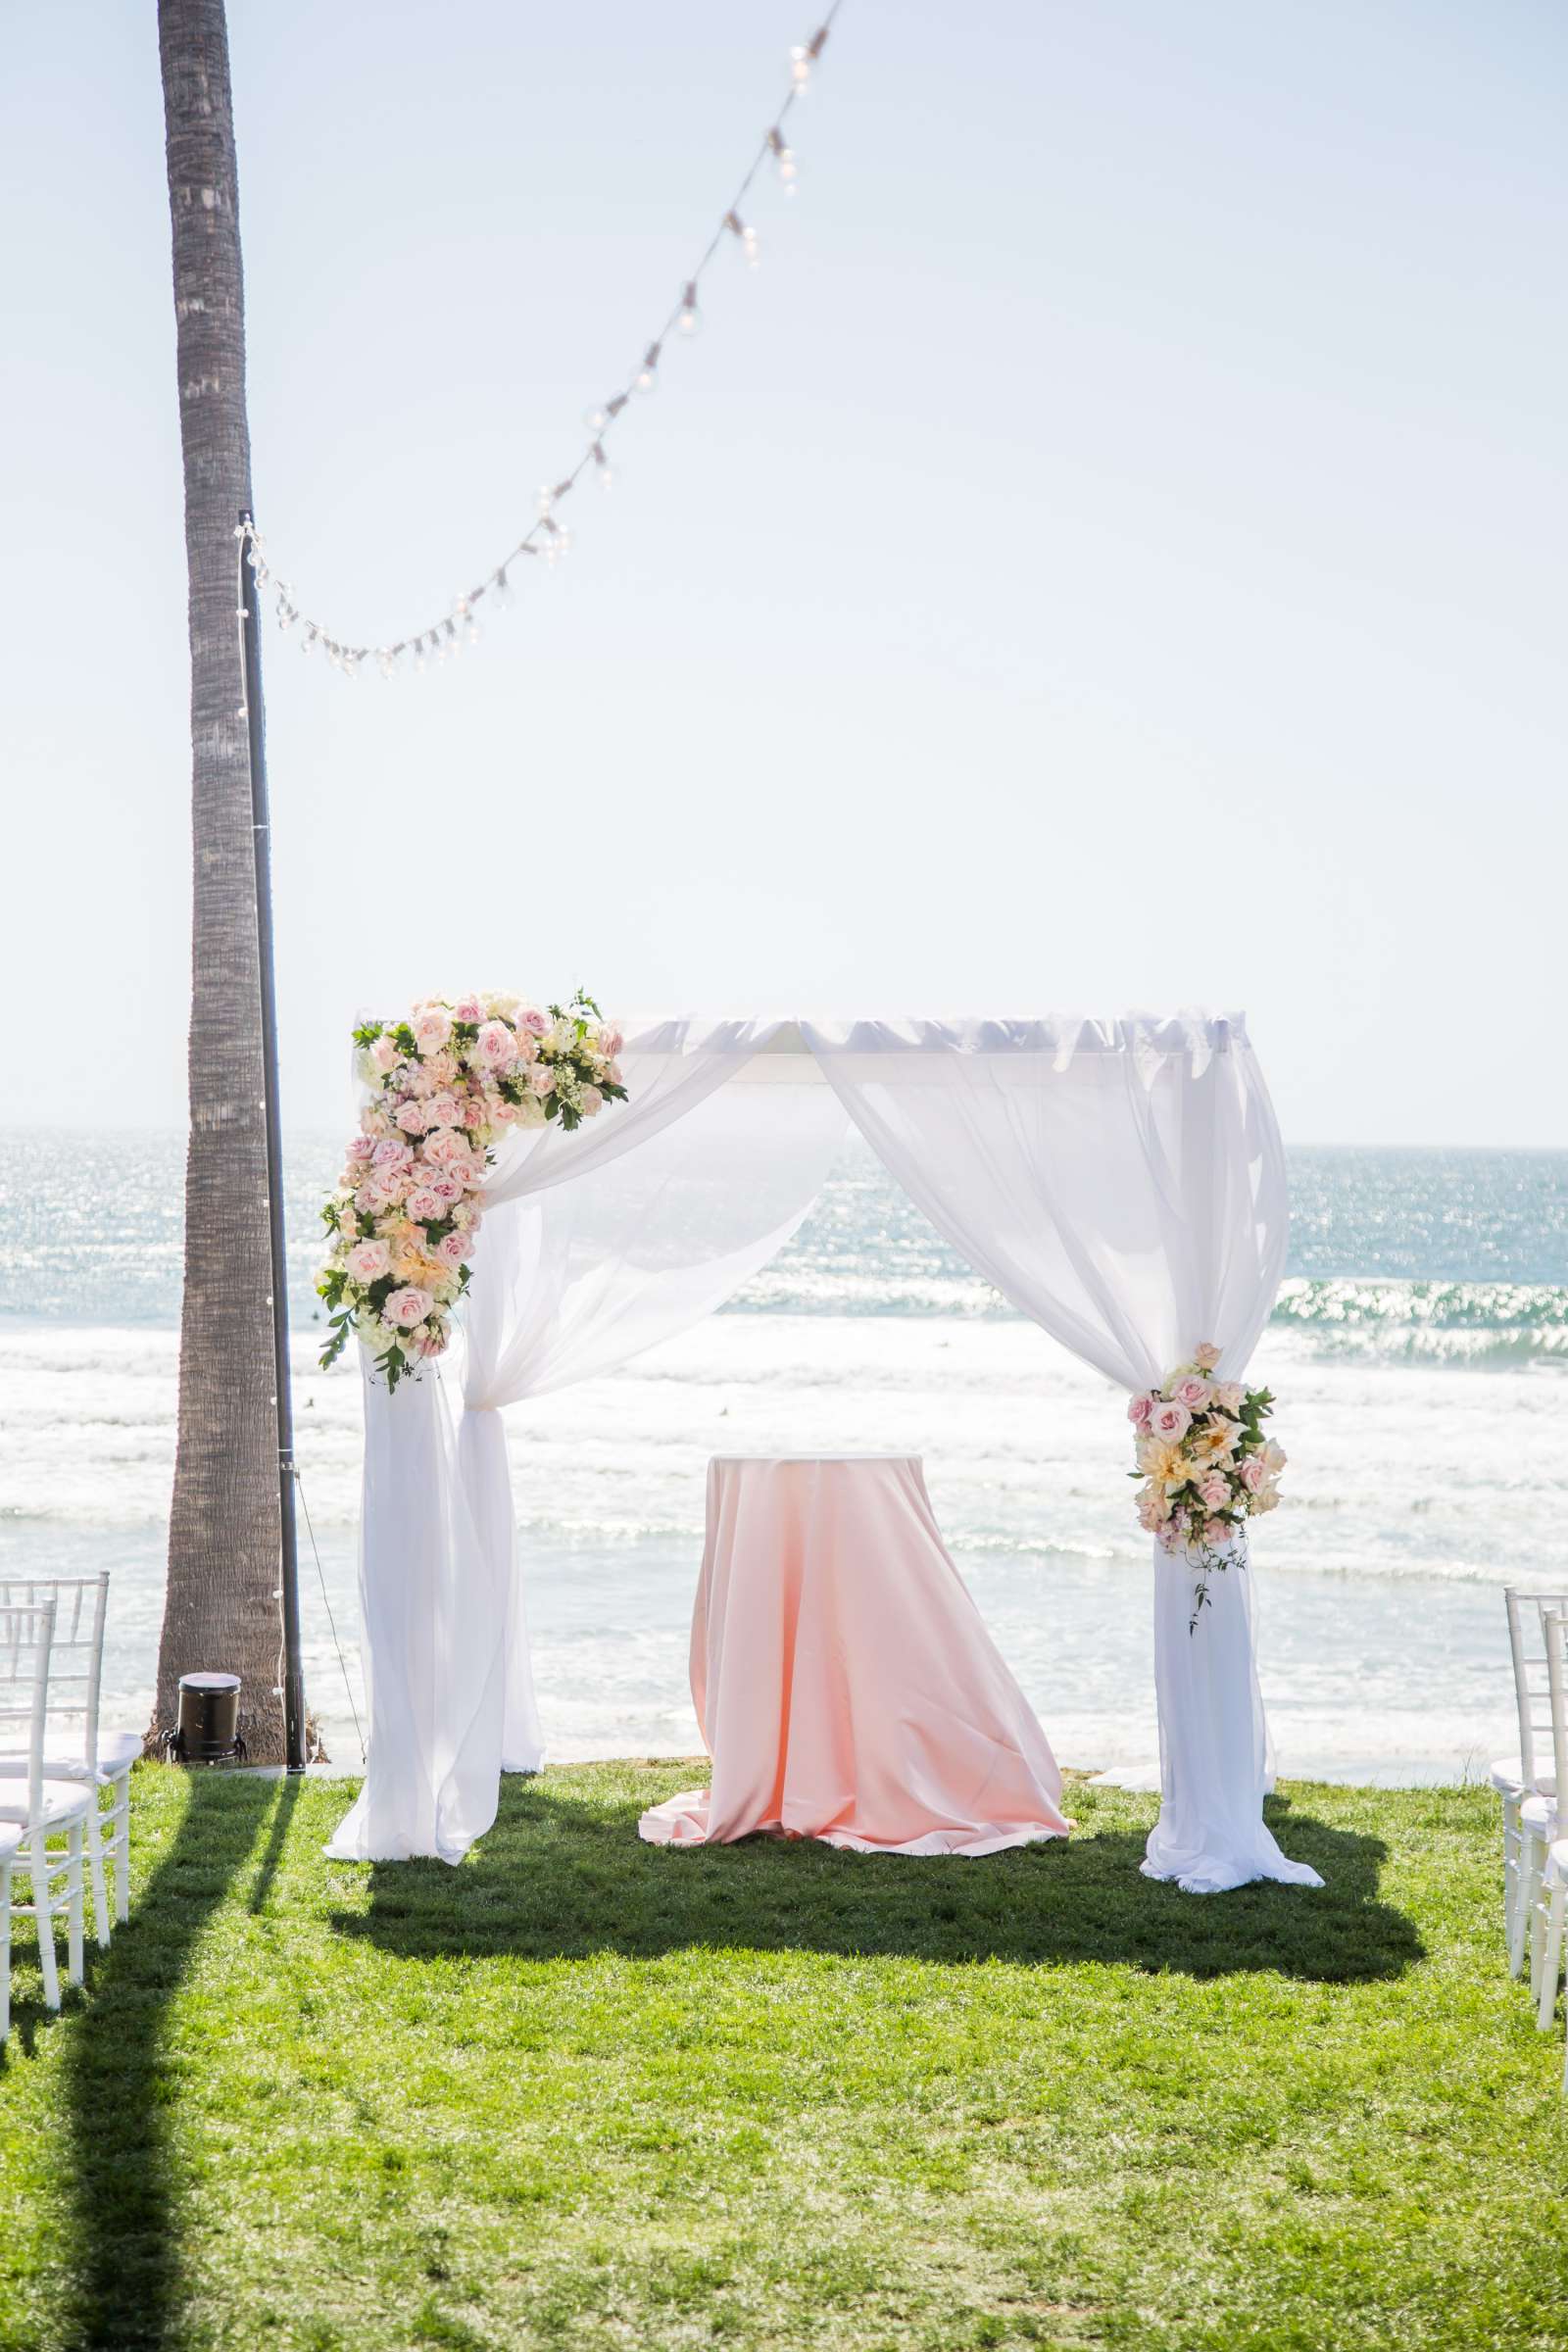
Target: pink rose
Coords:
[[1215, 1533], [407, 1306], [495, 1048], [502, 1112], [385, 1054], [432, 1028], [608, 1042], [425, 1204], [1252, 1474], [445, 1110], [1215, 1492], [367, 1261], [443, 1147], [475, 1114], [446, 1187], [471, 1010], [543, 1080], [367, 1199], [1139, 1409], [450, 1248], [530, 1019], [1206, 1356], [412, 1119], [1169, 1419], [392, 1154], [592, 1101], [1230, 1397], [363, 1147], [1192, 1391]]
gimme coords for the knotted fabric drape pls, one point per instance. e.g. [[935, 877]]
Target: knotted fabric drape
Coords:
[[1123, 1183], [595, 1245]]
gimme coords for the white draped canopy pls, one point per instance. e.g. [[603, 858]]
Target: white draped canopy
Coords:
[[1121, 1183]]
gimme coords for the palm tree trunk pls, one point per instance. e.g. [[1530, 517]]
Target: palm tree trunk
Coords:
[[220, 1609]]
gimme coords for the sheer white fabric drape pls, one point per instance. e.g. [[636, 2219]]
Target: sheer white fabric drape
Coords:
[[434, 1694], [596, 1246], [1123, 1183]]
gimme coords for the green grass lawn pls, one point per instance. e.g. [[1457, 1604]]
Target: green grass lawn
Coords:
[[585, 2093]]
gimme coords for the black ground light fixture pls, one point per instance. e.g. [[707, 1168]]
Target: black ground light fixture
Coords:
[[208, 1729]]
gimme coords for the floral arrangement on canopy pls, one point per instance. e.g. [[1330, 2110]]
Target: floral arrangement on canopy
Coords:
[[443, 1084], [1204, 1466]]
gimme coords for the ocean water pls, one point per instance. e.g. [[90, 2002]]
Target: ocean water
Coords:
[[1419, 1351]]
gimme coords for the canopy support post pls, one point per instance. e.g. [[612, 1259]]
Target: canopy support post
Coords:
[[250, 619]]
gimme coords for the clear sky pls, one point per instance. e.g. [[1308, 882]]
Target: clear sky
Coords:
[[1111, 552]]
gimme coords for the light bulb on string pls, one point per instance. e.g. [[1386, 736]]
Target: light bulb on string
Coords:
[[648, 373], [804, 59], [690, 320], [604, 469], [784, 157], [744, 236]]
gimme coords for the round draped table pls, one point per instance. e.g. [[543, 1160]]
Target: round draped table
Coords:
[[844, 1685]]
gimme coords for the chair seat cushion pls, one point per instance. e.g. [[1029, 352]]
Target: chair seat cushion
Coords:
[[63, 1802], [1540, 1814], [1505, 1774], [116, 1752]]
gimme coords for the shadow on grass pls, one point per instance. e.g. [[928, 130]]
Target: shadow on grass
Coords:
[[563, 1878], [126, 2158]]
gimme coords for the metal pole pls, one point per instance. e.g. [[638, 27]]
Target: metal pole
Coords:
[[249, 603]]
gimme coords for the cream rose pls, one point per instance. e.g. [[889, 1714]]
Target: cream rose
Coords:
[[432, 1028]]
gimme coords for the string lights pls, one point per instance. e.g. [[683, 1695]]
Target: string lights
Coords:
[[546, 538]]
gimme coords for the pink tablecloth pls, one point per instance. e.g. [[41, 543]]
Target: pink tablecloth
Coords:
[[843, 1682]]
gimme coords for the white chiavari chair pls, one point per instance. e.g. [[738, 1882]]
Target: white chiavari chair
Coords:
[[1527, 1781], [1539, 1816], [1557, 1876], [78, 1748], [36, 1811]]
